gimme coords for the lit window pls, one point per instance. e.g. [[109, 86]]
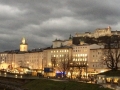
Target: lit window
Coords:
[[73, 59], [83, 59]]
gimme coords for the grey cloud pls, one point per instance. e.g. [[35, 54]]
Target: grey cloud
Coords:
[[95, 10], [42, 21]]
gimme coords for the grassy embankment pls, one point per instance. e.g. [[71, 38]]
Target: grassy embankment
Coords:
[[42, 84]]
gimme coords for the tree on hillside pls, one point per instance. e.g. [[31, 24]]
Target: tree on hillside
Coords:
[[111, 53]]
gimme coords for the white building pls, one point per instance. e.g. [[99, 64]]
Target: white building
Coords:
[[96, 64], [82, 54]]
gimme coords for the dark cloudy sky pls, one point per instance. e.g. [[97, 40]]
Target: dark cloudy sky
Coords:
[[42, 21]]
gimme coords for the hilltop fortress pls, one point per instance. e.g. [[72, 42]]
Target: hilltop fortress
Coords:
[[99, 32]]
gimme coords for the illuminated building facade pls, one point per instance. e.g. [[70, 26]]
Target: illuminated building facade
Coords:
[[82, 56], [61, 51]]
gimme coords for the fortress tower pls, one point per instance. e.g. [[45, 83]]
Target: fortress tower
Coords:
[[23, 45]]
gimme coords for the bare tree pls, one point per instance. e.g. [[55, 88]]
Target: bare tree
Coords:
[[64, 64], [111, 54], [80, 66]]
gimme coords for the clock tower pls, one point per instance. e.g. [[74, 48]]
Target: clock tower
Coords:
[[23, 45]]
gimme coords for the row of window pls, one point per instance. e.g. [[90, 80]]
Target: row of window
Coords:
[[79, 47], [3, 54], [80, 55], [84, 59], [95, 60], [59, 51], [96, 56], [97, 52], [80, 50], [33, 57], [94, 65], [60, 55]]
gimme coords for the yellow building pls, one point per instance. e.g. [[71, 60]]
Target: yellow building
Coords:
[[23, 45]]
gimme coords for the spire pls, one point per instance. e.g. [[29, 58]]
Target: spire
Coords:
[[23, 40], [70, 37]]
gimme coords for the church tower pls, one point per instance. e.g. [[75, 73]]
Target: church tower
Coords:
[[23, 45]]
